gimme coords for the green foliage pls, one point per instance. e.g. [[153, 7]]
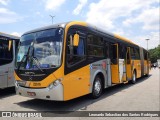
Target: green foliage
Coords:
[[154, 54]]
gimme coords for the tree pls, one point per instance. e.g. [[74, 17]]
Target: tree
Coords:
[[154, 54]]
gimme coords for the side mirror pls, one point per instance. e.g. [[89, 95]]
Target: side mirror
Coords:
[[75, 39]]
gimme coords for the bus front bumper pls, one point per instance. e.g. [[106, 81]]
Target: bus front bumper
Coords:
[[55, 93]]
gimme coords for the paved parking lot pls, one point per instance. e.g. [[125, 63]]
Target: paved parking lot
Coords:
[[142, 96]]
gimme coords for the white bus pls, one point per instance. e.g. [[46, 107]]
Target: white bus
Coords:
[[8, 48]]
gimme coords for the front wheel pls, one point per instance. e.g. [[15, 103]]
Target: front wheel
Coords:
[[97, 87], [134, 77]]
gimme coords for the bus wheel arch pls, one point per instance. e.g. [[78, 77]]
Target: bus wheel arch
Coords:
[[98, 86]]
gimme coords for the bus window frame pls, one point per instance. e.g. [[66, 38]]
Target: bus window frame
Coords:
[[98, 46], [128, 55], [84, 42], [113, 46], [107, 49]]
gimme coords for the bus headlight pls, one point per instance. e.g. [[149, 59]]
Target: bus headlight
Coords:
[[54, 84]]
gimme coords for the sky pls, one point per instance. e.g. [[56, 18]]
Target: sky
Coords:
[[136, 20]]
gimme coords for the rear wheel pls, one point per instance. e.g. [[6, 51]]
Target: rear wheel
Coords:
[[134, 77], [97, 87]]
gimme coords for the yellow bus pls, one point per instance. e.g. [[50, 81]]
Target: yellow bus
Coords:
[[68, 60]]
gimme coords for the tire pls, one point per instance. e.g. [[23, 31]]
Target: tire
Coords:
[[133, 81], [97, 87]]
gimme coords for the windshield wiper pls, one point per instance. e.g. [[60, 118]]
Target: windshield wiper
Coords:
[[37, 63], [25, 56], [29, 56]]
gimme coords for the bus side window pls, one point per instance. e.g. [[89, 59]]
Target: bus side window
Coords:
[[124, 51], [75, 54], [113, 54], [128, 56], [137, 55], [145, 55], [6, 52], [120, 50], [95, 45], [107, 50], [133, 53]]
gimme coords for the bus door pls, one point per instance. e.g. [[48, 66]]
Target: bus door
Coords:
[[128, 64], [115, 64]]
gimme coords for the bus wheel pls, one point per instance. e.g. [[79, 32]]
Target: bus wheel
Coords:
[[134, 77], [97, 88]]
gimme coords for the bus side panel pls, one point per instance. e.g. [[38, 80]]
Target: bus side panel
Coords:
[[145, 67], [137, 67], [101, 67], [115, 74], [11, 76], [3, 77], [77, 83]]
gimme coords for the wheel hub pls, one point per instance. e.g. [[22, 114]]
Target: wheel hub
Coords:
[[97, 87]]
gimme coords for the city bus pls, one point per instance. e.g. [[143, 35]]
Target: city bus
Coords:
[[68, 60], [8, 48]]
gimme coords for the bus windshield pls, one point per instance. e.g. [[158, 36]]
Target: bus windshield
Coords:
[[46, 48]]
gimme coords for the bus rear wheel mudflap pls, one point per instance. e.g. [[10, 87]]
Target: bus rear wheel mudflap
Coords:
[[134, 77], [97, 87]]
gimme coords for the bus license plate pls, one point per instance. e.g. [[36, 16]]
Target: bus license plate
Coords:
[[31, 93]]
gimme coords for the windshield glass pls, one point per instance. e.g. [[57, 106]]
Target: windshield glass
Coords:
[[46, 49]]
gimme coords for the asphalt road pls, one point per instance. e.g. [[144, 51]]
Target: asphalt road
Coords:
[[142, 96]]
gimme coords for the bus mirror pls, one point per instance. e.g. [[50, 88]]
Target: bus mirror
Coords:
[[76, 40]]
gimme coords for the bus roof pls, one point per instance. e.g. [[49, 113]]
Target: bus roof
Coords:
[[9, 36], [63, 25], [124, 39], [47, 27], [111, 34]]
